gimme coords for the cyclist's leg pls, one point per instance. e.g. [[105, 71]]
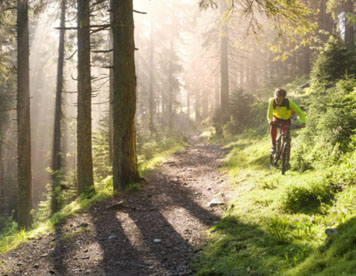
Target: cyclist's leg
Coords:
[[273, 133], [284, 129]]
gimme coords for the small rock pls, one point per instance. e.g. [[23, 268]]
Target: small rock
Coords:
[[52, 272], [36, 266], [117, 206], [216, 202], [44, 256], [181, 268], [157, 240], [112, 237], [84, 224], [330, 231]]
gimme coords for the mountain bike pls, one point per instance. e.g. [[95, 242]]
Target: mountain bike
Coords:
[[282, 153]]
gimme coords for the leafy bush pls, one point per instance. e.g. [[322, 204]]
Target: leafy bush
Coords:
[[220, 118], [310, 196], [238, 116], [149, 149], [334, 61], [331, 126]]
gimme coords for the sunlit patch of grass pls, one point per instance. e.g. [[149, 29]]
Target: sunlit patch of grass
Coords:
[[247, 154], [12, 239], [146, 167], [208, 133]]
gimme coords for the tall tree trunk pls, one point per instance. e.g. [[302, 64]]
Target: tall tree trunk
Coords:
[[151, 96], [124, 97], [224, 64], [164, 104], [197, 106], [2, 183], [188, 103], [349, 25], [170, 90], [305, 62], [57, 133], [24, 202], [217, 92], [84, 144], [111, 86], [205, 102], [325, 20]]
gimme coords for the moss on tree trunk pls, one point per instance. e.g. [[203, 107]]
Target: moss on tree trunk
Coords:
[[124, 96]]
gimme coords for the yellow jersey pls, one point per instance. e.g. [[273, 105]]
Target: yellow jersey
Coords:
[[284, 111]]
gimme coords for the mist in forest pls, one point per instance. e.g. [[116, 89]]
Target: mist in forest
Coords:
[[169, 33], [189, 62]]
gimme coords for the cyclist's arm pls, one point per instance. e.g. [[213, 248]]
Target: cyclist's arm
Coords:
[[270, 111], [300, 113]]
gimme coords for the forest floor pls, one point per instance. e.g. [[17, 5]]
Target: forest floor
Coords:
[[156, 230]]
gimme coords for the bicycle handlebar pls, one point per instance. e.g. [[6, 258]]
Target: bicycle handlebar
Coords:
[[291, 127]]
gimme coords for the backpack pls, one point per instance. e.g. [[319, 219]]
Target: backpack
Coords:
[[285, 103]]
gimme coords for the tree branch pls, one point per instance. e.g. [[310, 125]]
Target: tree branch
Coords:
[[102, 51], [140, 12], [91, 26]]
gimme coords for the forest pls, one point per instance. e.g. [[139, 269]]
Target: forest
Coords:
[[135, 139]]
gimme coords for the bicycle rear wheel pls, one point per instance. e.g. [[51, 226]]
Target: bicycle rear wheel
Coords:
[[285, 156]]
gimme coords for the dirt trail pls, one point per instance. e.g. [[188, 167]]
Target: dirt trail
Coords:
[[154, 231]]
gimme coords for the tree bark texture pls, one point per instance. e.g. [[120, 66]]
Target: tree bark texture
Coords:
[[124, 96], [57, 133], [111, 86], [2, 183], [84, 144], [24, 205]]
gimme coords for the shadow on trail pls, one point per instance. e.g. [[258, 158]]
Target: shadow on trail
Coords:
[[157, 248], [120, 257], [185, 198], [60, 252]]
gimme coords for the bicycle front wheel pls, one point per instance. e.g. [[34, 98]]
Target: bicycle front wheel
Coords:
[[285, 156]]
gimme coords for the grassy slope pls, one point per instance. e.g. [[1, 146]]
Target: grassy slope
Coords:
[[275, 225]]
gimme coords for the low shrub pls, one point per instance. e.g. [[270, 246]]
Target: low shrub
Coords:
[[310, 196]]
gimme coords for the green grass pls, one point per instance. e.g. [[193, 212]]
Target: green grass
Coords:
[[275, 225], [148, 166]]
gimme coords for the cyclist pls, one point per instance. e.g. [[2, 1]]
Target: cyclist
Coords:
[[280, 111]]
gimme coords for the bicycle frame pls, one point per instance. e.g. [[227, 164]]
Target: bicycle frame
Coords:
[[283, 145]]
